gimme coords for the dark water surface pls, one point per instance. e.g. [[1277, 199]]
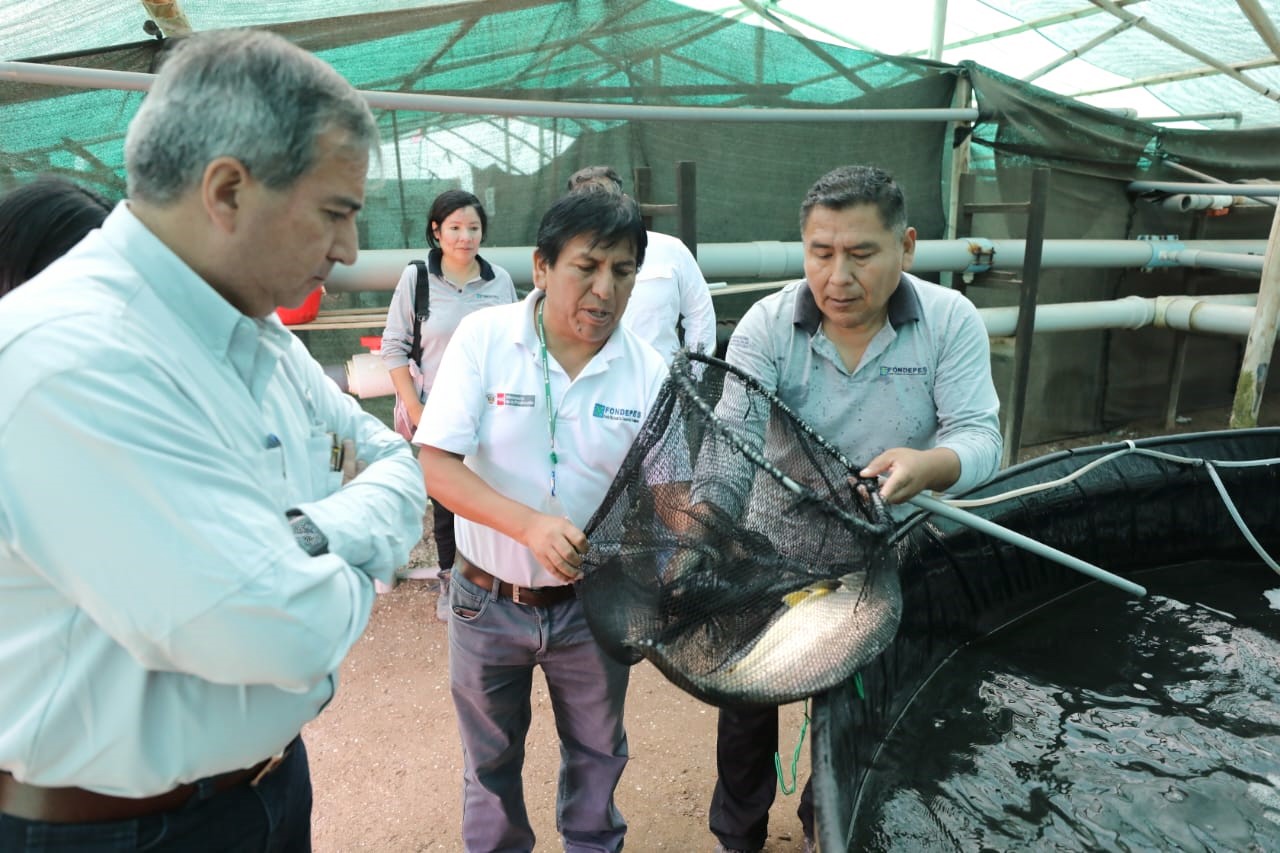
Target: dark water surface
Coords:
[[1098, 722]]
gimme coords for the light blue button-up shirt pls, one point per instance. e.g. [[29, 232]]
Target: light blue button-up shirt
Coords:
[[158, 622]]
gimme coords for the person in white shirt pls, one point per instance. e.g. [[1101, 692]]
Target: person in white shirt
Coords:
[[535, 407], [183, 566], [670, 290]]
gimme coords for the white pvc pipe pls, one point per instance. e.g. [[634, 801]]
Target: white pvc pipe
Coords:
[[367, 376], [100, 78], [1184, 313], [1224, 314], [772, 260], [1184, 202], [1254, 190], [1214, 260]]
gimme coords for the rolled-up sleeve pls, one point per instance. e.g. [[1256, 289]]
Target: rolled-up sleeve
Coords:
[[397, 334]]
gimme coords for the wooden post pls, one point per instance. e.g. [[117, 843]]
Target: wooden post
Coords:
[[687, 201], [1262, 337], [643, 176], [169, 16]]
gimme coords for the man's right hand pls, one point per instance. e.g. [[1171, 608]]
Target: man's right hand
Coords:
[[557, 544]]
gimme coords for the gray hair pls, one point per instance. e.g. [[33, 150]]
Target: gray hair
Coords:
[[602, 176], [247, 94], [849, 186]]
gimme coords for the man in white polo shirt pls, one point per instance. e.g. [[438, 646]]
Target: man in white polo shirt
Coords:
[[892, 370], [535, 406]]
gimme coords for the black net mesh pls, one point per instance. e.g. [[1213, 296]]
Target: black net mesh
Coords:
[[737, 550]]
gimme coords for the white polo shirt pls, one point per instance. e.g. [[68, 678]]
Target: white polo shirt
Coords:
[[670, 290], [489, 406]]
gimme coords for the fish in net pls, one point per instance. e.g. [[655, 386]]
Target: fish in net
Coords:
[[737, 550]]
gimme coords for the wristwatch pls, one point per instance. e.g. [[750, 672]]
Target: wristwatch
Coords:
[[309, 537]]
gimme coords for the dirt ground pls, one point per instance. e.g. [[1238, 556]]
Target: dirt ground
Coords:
[[387, 766]]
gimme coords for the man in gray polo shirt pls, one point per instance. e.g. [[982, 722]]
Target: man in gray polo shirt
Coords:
[[894, 371]]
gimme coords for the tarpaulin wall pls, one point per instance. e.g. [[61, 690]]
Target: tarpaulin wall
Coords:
[[1085, 382]]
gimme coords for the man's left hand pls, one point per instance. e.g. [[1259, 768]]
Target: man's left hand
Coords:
[[909, 472]]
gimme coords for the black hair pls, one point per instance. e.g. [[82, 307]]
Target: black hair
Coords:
[[40, 221], [444, 206], [849, 186], [608, 217]]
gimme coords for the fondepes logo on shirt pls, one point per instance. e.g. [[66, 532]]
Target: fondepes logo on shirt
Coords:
[[612, 413]]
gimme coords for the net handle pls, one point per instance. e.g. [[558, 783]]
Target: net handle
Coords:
[[996, 531]]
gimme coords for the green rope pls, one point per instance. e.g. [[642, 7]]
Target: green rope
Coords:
[[789, 789]]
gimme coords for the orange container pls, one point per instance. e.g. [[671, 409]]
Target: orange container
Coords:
[[304, 313]]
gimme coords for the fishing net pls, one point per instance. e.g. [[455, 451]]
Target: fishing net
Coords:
[[737, 550]]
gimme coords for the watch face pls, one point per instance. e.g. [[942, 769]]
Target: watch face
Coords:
[[308, 536]]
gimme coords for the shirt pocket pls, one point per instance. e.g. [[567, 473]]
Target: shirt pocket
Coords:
[[324, 480]]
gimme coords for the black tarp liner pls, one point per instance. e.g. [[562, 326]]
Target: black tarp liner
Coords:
[[1127, 516], [1085, 382]]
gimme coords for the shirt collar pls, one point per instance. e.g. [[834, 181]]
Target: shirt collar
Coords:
[[903, 307], [433, 265], [252, 346], [525, 332]]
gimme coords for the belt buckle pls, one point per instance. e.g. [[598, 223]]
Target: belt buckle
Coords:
[[515, 594]]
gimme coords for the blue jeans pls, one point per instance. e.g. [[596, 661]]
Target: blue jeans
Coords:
[[494, 644], [272, 817]]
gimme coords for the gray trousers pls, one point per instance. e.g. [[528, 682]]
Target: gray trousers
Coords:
[[494, 644]]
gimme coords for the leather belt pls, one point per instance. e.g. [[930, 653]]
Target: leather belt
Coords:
[[530, 596], [77, 805]]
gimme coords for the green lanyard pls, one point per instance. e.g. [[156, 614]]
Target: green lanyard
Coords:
[[546, 390]]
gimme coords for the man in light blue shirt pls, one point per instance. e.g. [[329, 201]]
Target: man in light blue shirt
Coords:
[[894, 371], [182, 568]]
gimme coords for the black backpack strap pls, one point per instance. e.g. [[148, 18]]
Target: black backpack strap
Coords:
[[421, 309]]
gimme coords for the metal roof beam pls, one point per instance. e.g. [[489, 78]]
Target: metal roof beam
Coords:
[[1029, 26], [806, 43], [939, 31], [426, 65], [602, 27], [1262, 23], [1175, 76], [1177, 43], [689, 37], [1081, 50], [772, 14], [777, 11], [1235, 117]]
